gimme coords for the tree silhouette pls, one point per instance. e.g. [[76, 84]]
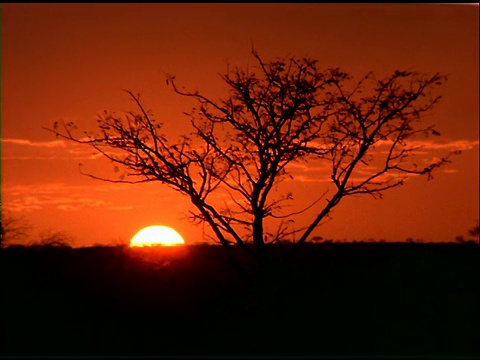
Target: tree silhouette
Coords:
[[475, 232], [244, 145], [13, 228]]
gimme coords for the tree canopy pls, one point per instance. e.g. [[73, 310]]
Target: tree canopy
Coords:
[[285, 111]]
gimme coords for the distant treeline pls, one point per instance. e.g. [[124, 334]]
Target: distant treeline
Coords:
[[358, 299]]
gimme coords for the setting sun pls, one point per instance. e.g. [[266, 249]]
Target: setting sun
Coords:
[[156, 235]]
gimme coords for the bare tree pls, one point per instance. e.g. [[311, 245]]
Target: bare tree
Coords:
[[14, 228], [474, 232], [244, 145]]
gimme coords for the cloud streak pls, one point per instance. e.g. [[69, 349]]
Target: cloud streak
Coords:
[[69, 197], [320, 171], [430, 145], [21, 198], [78, 152], [25, 149], [41, 144], [314, 171]]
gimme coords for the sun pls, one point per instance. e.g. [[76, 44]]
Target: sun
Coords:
[[156, 235]]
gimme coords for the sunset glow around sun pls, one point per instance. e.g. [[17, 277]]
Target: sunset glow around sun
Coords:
[[156, 235]]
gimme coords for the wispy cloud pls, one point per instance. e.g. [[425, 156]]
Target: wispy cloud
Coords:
[[39, 202], [454, 145], [430, 151], [83, 153], [25, 149], [42, 144], [73, 197], [61, 196], [21, 157], [450, 171], [431, 145], [312, 178]]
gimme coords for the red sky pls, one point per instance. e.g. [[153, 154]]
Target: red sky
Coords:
[[71, 61]]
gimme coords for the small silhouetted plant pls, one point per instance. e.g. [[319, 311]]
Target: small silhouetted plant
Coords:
[[52, 238], [286, 111]]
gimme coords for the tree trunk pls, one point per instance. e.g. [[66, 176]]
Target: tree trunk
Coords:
[[258, 240]]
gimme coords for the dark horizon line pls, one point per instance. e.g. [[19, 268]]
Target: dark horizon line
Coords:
[[319, 243]]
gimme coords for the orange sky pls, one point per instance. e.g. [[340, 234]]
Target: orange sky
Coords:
[[70, 62]]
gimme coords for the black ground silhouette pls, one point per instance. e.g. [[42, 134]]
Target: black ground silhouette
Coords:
[[337, 299]]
